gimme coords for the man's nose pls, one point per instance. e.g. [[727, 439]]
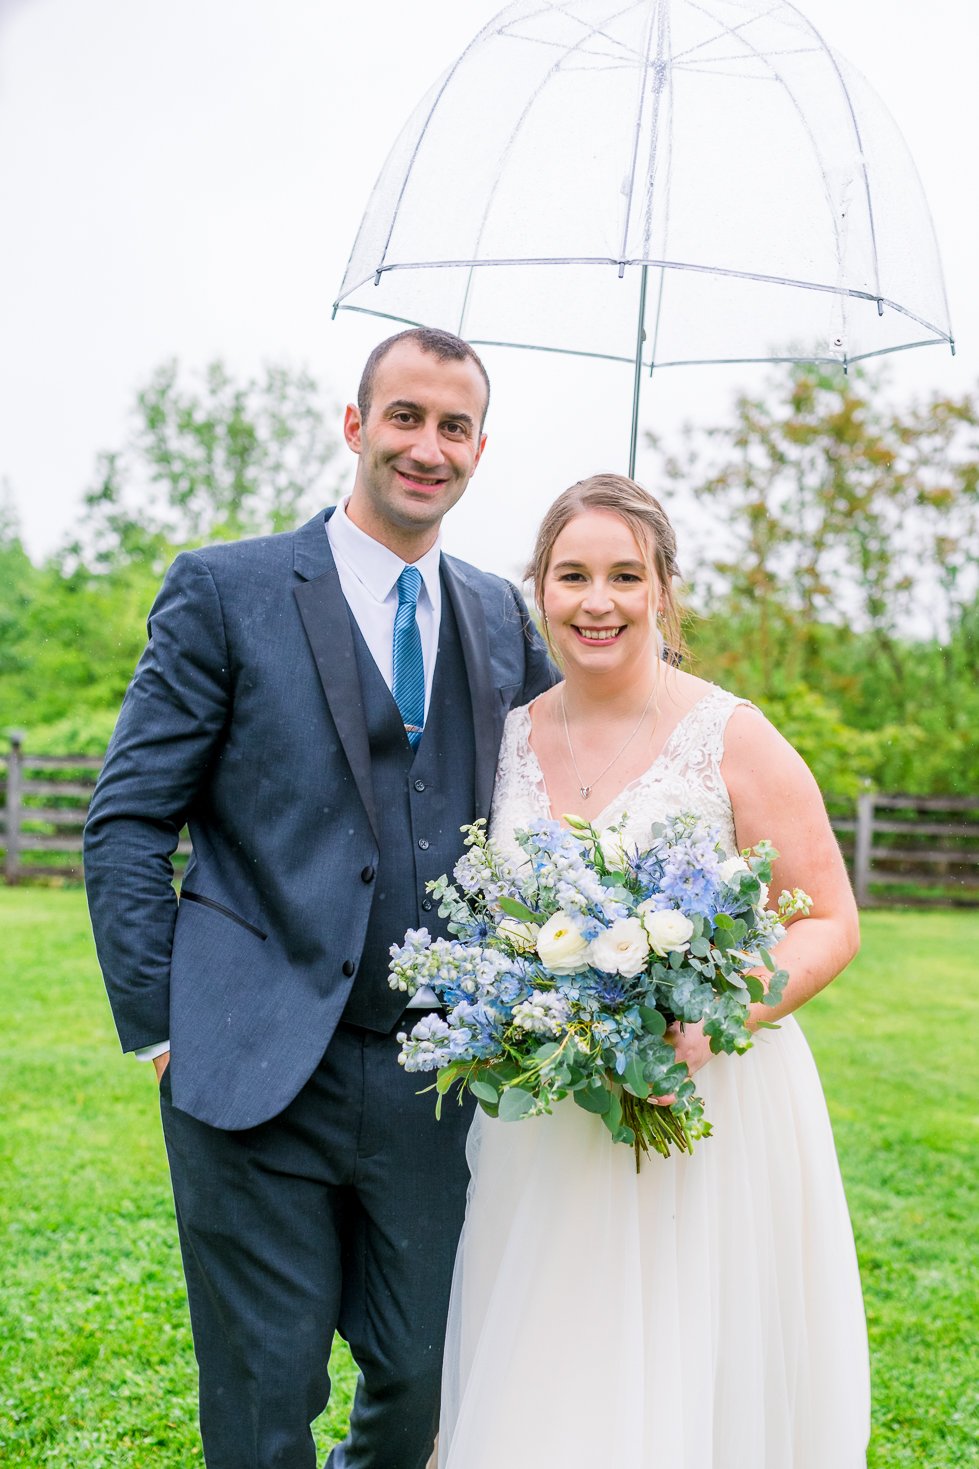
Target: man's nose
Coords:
[[426, 447]]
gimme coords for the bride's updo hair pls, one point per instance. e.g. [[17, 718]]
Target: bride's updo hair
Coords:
[[644, 516]]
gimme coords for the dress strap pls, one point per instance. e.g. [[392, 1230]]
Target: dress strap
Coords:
[[704, 728]]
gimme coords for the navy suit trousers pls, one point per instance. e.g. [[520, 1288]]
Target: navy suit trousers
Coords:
[[340, 1214]]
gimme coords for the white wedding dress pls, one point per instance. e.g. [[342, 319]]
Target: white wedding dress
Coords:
[[703, 1314]]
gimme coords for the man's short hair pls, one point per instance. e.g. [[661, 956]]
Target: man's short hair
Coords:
[[443, 345]]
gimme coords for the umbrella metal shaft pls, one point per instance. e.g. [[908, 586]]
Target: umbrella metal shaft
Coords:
[[637, 377]]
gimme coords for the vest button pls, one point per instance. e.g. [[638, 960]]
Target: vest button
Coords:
[[419, 785], [368, 874], [349, 967], [426, 905], [423, 843]]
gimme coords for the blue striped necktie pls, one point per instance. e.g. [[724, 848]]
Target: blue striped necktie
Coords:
[[409, 666]]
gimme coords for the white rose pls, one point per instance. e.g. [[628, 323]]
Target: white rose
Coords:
[[621, 949], [615, 852], [730, 869], [522, 936], [561, 945], [666, 928]]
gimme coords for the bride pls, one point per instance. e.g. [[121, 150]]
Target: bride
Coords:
[[704, 1313]]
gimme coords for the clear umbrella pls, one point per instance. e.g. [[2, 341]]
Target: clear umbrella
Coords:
[[660, 182]]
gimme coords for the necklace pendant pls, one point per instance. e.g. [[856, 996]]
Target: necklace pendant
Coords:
[[584, 792]]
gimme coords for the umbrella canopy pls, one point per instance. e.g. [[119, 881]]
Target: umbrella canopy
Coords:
[[663, 182]]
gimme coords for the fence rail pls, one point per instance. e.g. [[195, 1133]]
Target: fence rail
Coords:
[[44, 801], [921, 850]]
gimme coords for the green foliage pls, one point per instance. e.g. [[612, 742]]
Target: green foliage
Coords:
[[82, 733], [209, 461], [205, 462], [839, 585], [95, 1352]]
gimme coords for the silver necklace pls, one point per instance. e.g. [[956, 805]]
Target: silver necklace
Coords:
[[585, 790]]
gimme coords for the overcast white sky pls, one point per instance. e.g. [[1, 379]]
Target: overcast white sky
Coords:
[[185, 178]]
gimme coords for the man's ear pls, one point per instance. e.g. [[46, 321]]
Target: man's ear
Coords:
[[479, 451], [352, 427]]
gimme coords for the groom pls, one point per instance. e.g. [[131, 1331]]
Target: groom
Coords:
[[324, 710]]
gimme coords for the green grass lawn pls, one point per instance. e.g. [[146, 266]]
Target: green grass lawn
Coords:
[[96, 1366]]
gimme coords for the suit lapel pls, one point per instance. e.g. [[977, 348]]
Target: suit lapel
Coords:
[[487, 706], [326, 619]]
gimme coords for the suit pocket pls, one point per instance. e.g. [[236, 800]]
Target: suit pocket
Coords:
[[220, 908]]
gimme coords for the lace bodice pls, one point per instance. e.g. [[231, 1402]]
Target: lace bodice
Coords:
[[685, 776]]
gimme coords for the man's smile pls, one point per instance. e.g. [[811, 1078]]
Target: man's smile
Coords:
[[419, 481]]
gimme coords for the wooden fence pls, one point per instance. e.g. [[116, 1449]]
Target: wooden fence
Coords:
[[921, 850], [45, 800]]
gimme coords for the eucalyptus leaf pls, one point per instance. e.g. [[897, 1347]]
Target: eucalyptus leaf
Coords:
[[515, 1103], [546, 1051], [653, 1021], [635, 1080], [594, 1099], [484, 1090]]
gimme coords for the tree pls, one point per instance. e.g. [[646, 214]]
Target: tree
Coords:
[[211, 461], [837, 582], [206, 461], [832, 515]]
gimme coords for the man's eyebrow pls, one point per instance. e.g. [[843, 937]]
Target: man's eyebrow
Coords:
[[398, 405]]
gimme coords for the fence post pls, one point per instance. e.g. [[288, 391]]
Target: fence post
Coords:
[[14, 784], [862, 847]]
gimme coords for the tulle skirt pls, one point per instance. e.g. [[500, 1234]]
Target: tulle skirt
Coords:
[[703, 1314]]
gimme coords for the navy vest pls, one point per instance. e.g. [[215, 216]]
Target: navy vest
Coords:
[[422, 798]]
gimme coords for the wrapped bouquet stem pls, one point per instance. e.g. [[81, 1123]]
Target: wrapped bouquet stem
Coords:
[[565, 972]]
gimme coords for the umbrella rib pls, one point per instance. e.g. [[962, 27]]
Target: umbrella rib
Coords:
[[859, 140], [627, 52], [727, 30], [447, 78], [647, 46], [766, 61], [706, 66], [937, 341], [569, 51], [725, 270]]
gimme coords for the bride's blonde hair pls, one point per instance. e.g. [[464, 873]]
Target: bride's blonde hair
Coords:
[[647, 520]]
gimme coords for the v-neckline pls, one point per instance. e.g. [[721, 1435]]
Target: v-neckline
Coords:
[[594, 820]]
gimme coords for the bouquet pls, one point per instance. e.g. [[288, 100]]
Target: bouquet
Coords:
[[564, 972]]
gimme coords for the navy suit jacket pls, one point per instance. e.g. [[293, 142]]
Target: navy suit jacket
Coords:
[[244, 721]]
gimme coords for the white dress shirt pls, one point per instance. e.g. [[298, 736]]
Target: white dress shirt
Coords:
[[368, 575]]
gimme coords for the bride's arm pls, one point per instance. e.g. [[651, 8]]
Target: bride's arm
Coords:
[[773, 795]]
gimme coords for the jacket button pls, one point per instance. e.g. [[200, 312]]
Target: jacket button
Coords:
[[368, 874], [349, 967], [419, 785], [423, 843], [426, 905]]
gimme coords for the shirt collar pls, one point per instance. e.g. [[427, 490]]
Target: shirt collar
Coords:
[[374, 565]]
